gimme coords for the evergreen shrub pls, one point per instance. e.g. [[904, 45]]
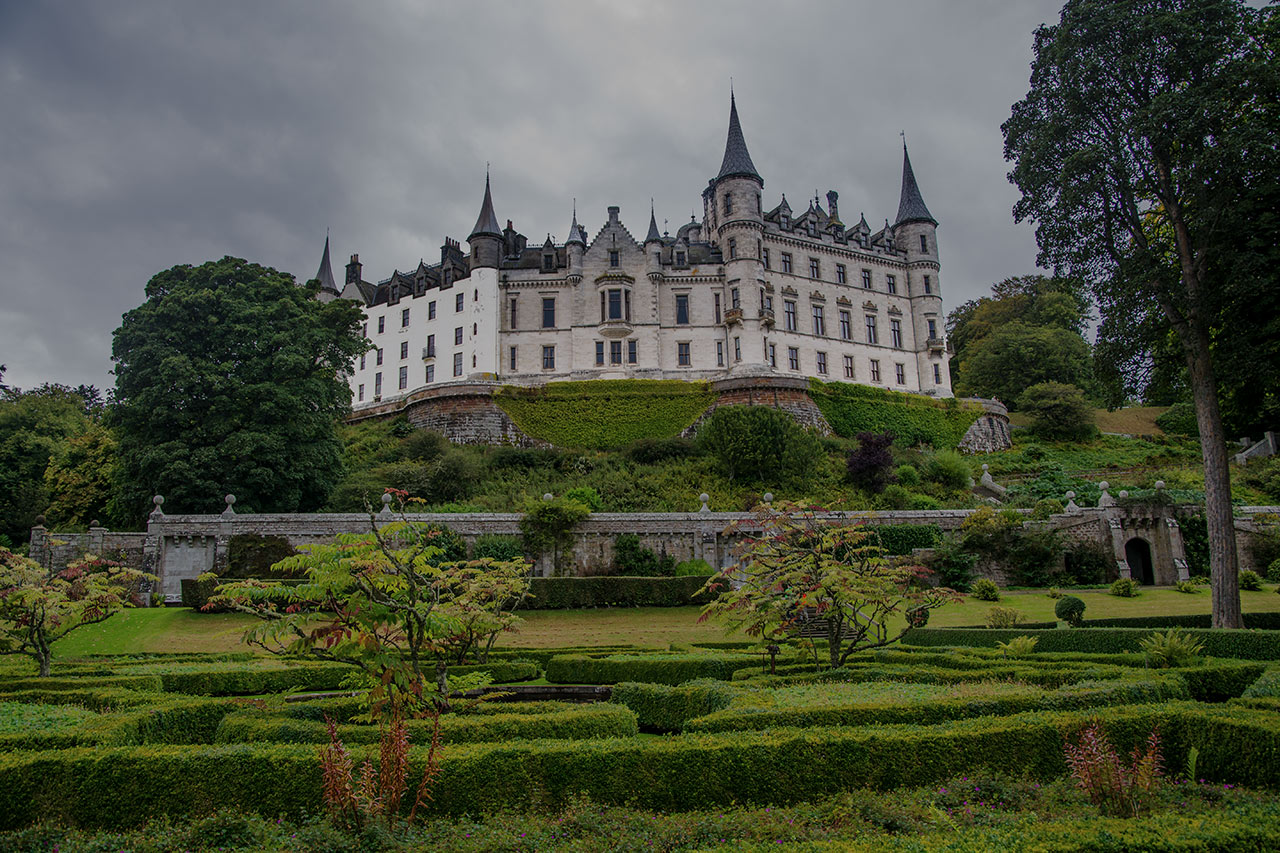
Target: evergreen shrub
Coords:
[[1070, 610], [669, 669], [984, 589], [572, 593], [664, 708]]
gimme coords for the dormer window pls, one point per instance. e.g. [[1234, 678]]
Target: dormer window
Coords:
[[785, 222], [549, 262], [812, 227], [680, 259]]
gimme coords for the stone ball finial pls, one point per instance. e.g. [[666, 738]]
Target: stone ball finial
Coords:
[[39, 521], [1159, 485], [1071, 496], [1124, 493], [386, 499], [704, 497], [95, 523], [548, 497], [1104, 485], [768, 497], [985, 466], [158, 500], [231, 499]]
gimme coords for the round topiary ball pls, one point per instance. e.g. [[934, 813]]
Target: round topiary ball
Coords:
[[1070, 610], [1273, 571], [985, 589]]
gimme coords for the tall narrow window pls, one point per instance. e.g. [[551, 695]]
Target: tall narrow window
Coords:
[[789, 314], [548, 358], [631, 352], [819, 321], [786, 262], [773, 355], [513, 312], [891, 283], [875, 370], [733, 243], [549, 262], [846, 327], [549, 313], [431, 346], [895, 333], [378, 356], [600, 353], [728, 204], [682, 309], [404, 378], [764, 254], [404, 349], [716, 298], [737, 349], [872, 336], [615, 352], [682, 352], [362, 357], [793, 358], [457, 301], [382, 325], [512, 361], [377, 385], [360, 394], [814, 268], [615, 304], [404, 318], [928, 284], [457, 364], [431, 373], [900, 373], [848, 367], [821, 363], [924, 243], [680, 259], [613, 257], [841, 274], [431, 310], [866, 279], [933, 329], [719, 353], [937, 375], [734, 300], [457, 336]]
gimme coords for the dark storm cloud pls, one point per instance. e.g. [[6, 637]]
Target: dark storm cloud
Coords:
[[142, 135]]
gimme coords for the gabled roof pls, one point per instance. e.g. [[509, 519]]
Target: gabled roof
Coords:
[[325, 273], [487, 222], [911, 207], [737, 160]]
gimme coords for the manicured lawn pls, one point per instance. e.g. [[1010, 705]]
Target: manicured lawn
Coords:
[[1139, 420], [170, 629]]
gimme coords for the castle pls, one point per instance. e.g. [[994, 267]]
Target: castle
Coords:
[[745, 292]]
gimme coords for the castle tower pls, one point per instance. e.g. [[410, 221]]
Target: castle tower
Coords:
[[574, 248], [653, 249], [480, 355], [328, 287], [916, 235], [738, 229]]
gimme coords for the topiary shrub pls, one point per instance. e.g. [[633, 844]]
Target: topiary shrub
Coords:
[[1070, 610], [984, 589], [1250, 581], [917, 617], [1124, 588]]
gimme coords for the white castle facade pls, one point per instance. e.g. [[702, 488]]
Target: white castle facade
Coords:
[[748, 291]]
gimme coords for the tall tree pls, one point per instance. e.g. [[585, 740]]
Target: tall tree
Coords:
[[1131, 148], [35, 427], [229, 378]]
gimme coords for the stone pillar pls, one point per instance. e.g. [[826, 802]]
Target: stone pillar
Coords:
[[96, 532], [1116, 527], [1177, 548], [38, 550]]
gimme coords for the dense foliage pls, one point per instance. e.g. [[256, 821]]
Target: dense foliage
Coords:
[[758, 444], [229, 379], [912, 419], [1058, 411], [603, 414]]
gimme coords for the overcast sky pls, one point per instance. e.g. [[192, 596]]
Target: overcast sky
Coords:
[[139, 135]]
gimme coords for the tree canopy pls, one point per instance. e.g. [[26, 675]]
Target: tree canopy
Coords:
[[229, 378], [1146, 125]]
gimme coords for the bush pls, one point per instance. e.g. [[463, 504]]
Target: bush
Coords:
[[694, 568], [423, 445], [1046, 507], [911, 419], [1187, 586], [1273, 571], [1179, 420], [907, 475], [869, 466], [250, 555], [668, 669], [494, 546], [527, 458], [1004, 617], [574, 593], [984, 589], [1018, 647], [1124, 588], [1089, 563], [949, 470], [953, 566], [1254, 645], [1058, 412], [651, 451], [632, 558], [758, 444], [1172, 648], [664, 709], [1070, 610], [587, 496], [899, 540], [1250, 581]]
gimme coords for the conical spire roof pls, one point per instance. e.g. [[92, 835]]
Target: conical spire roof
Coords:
[[576, 234], [487, 222], [737, 160], [911, 207], [653, 235], [325, 273]]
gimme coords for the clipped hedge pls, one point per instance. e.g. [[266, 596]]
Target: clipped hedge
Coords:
[[663, 708], [565, 593], [246, 681], [502, 672], [125, 786], [1218, 642], [579, 723], [911, 418], [655, 669], [56, 683], [901, 539], [1266, 621], [743, 715], [168, 720], [602, 414]]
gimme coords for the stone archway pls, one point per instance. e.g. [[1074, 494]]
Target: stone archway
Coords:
[[1137, 553]]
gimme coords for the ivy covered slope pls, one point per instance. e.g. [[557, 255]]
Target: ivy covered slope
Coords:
[[912, 419], [605, 413]]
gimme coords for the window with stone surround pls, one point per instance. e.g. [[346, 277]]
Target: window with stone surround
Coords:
[[377, 385], [382, 324], [819, 321], [900, 373], [431, 310], [895, 333], [548, 312], [682, 309], [842, 275], [815, 269], [404, 349], [733, 243], [431, 373], [928, 284], [360, 394], [631, 352], [937, 375], [600, 353], [848, 367], [822, 363], [891, 283], [513, 312], [457, 301], [457, 336], [875, 370], [764, 255], [404, 318], [404, 378], [872, 336], [378, 356], [737, 349], [866, 279], [682, 351], [431, 346], [789, 314], [615, 352], [793, 358], [846, 326], [549, 357], [512, 361], [786, 262], [719, 353]]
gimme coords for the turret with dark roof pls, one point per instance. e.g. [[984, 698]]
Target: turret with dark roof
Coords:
[[486, 238], [328, 287], [653, 236], [737, 160], [487, 221], [911, 207]]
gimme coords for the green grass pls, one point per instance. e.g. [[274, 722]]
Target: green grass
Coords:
[[170, 629]]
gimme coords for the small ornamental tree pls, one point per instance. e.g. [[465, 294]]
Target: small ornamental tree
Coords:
[[870, 466], [38, 607], [393, 604], [809, 564]]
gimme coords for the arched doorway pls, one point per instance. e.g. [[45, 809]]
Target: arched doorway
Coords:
[[1137, 553]]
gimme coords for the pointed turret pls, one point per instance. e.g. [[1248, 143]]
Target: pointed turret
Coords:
[[576, 234], [486, 238], [328, 287], [737, 160], [653, 236], [911, 207]]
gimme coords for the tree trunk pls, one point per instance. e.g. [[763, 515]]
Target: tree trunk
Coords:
[[442, 686], [44, 657], [1224, 567]]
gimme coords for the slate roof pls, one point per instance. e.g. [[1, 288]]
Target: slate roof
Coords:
[[911, 207], [737, 160], [653, 234], [487, 222], [325, 273]]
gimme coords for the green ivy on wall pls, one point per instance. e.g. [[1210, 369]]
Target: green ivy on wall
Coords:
[[603, 414], [913, 419]]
